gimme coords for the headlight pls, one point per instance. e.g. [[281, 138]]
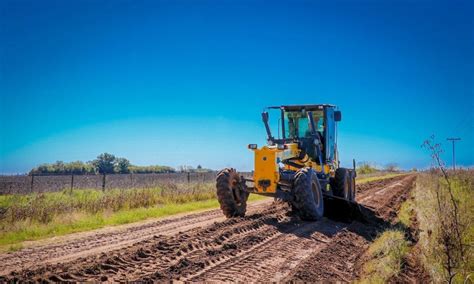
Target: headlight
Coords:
[[252, 146]]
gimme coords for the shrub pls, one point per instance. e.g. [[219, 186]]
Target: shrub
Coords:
[[366, 168]]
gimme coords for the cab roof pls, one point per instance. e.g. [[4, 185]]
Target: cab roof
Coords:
[[301, 107]]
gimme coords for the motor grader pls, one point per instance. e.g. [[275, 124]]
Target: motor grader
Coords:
[[300, 167]]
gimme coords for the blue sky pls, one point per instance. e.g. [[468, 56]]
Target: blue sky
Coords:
[[184, 82]]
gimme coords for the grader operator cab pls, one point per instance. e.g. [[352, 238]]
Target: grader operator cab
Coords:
[[300, 167]]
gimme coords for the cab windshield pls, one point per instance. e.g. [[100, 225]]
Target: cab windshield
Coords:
[[297, 123]]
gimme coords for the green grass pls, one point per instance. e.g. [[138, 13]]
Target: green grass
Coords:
[[374, 178], [406, 213], [385, 256]]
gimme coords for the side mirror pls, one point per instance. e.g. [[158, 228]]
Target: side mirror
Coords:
[[337, 115]]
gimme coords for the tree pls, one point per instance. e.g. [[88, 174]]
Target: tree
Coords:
[[366, 168], [59, 167], [105, 163], [391, 167], [151, 169], [186, 169], [122, 166]]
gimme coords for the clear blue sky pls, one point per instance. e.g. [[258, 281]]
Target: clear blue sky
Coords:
[[184, 82]]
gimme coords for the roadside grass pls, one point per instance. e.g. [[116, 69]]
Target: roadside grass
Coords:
[[385, 256], [363, 179], [38, 216], [433, 212], [406, 213]]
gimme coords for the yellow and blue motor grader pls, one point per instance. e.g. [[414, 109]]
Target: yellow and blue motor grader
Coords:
[[300, 167]]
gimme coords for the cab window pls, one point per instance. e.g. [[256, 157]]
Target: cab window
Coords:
[[297, 123]]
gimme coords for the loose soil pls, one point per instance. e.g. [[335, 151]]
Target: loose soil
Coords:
[[269, 244]]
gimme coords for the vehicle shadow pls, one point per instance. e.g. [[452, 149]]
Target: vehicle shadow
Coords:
[[356, 218]]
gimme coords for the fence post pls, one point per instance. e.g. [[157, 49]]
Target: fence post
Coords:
[[189, 177], [72, 182], [32, 182], [103, 182]]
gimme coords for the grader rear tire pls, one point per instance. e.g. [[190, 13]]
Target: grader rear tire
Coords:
[[344, 184], [307, 195], [231, 196]]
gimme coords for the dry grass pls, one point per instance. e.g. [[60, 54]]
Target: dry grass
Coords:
[[44, 207], [435, 216]]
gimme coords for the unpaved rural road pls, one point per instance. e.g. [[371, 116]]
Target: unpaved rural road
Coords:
[[269, 244]]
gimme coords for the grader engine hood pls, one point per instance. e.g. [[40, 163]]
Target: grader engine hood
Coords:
[[267, 159]]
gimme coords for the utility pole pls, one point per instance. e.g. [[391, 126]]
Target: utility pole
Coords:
[[454, 152]]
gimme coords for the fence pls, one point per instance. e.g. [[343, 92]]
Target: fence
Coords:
[[50, 183]]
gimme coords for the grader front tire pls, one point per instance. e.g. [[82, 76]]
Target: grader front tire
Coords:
[[230, 194], [307, 195]]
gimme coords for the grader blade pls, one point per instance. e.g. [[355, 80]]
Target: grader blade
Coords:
[[343, 210]]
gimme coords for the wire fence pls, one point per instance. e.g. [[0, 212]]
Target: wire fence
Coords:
[[50, 183]]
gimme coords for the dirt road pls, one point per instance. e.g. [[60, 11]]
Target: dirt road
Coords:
[[269, 244]]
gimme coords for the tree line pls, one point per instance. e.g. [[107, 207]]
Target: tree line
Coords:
[[107, 164]]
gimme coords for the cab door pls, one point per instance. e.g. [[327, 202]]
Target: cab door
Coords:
[[330, 134]]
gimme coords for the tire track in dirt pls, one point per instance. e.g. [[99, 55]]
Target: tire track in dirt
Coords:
[[268, 261], [177, 255], [337, 261], [269, 244], [386, 198], [82, 244], [340, 261]]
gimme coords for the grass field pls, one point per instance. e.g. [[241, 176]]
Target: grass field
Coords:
[[37, 216]]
